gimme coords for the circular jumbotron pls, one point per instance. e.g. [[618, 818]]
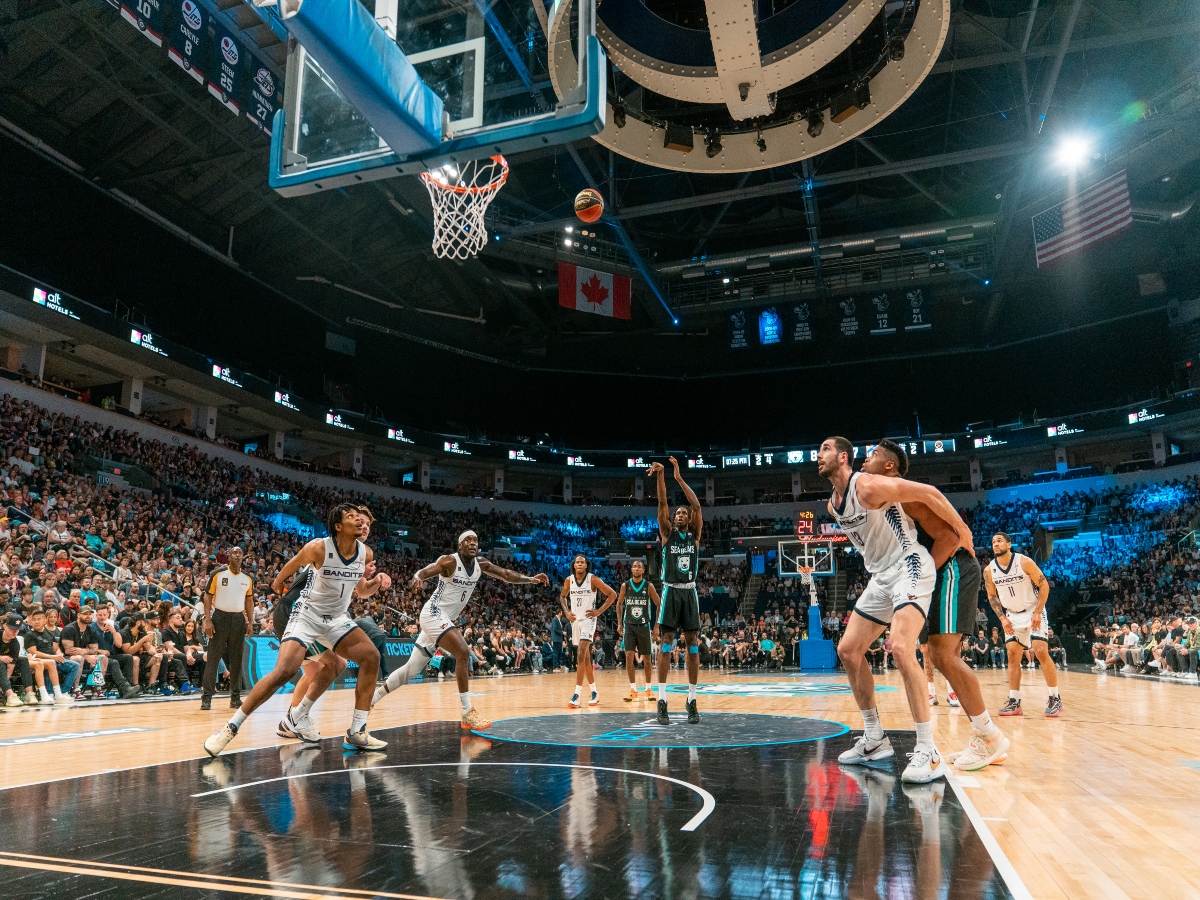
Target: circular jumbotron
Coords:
[[641, 730]]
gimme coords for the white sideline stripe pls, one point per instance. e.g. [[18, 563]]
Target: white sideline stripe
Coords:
[[709, 802], [1003, 865]]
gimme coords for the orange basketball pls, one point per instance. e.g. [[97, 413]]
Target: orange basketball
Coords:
[[589, 205]]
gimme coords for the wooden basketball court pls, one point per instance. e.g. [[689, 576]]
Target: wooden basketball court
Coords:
[[120, 800]]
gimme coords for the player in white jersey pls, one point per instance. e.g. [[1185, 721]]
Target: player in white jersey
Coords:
[[867, 507], [1018, 591], [578, 599], [457, 573], [320, 615]]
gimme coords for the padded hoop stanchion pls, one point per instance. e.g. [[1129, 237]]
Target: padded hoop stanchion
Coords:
[[460, 198]]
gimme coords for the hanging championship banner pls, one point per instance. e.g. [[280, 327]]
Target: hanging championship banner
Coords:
[[918, 311], [883, 316], [848, 326], [146, 16], [186, 42], [225, 76], [801, 323], [737, 331], [264, 98]]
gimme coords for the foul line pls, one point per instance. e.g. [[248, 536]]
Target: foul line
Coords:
[[196, 881], [709, 802], [1002, 863]]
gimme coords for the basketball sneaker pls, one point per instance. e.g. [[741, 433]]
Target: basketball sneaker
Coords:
[[472, 719], [362, 740], [594, 700], [303, 729], [1011, 707], [219, 741], [932, 699], [952, 699], [692, 713], [924, 765], [663, 717], [982, 751], [1054, 707], [633, 695], [867, 751], [574, 701]]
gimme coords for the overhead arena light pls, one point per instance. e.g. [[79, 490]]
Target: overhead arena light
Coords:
[[1073, 152], [816, 122], [854, 99], [618, 115], [678, 137], [712, 143]]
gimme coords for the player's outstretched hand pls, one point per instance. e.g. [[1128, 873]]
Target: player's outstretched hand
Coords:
[[541, 578], [416, 584], [655, 468], [385, 581], [674, 465]]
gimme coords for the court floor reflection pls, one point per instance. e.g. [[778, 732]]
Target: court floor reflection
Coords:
[[452, 816]]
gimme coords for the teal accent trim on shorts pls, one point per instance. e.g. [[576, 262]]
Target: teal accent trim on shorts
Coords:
[[949, 597]]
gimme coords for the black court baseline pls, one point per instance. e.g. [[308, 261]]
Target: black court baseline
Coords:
[[451, 815]]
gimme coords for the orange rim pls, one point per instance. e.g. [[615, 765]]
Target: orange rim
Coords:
[[494, 185]]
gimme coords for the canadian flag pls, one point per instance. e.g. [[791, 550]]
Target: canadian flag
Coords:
[[590, 291]]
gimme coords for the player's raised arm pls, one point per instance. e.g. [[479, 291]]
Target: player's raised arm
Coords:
[[609, 594], [693, 502], [664, 512], [311, 554], [875, 491], [443, 565], [509, 576]]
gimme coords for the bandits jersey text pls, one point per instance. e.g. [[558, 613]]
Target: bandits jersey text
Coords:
[[451, 595], [582, 596], [330, 586], [1013, 586], [884, 536]]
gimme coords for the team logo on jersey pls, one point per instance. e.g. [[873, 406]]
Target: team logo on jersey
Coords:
[[224, 582], [265, 82], [191, 15], [229, 50], [848, 307], [326, 619], [684, 563]]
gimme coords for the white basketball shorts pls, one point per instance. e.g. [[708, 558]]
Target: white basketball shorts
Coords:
[[908, 583], [583, 629], [307, 626], [1023, 631], [434, 623]]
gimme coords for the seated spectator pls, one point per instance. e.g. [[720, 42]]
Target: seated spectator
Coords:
[[14, 666], [49, 663]]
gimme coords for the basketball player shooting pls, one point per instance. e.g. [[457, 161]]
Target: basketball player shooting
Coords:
[[680, 607], [457, 574], [868, 508], [952, 613], [1018, 591], [578, 599]]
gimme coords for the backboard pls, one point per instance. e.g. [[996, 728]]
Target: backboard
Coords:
[[813, 553], [488, 62]]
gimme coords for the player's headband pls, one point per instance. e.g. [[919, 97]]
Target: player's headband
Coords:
[[466, 534]]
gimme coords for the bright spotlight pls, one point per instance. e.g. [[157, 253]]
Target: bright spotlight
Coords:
[[1073, 152], [566, 242]]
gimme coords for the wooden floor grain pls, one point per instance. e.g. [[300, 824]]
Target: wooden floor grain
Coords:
[[1093, 804]]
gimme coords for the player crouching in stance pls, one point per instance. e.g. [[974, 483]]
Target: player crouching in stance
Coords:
[[457, 574], [868, 508], [680, 607], [320, 615], [1018, 591], [952, 613], [634, 613], [578, 599]]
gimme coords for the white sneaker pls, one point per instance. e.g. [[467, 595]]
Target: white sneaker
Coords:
[[219, 741], [303, 729], [867, 751], [933, 700], [924, 765], [63, 700], [45, 700], [360, 740], [952, 699], [595, 700], [981, 751]]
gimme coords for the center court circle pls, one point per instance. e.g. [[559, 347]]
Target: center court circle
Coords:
[[625, 730]]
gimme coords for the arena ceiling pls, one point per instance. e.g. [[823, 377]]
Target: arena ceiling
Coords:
[[961, 166]]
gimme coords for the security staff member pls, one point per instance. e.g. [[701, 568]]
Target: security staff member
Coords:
[[231, 592]]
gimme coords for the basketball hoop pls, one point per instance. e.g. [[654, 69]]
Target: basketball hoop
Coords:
[[806, 576], [460, 196]]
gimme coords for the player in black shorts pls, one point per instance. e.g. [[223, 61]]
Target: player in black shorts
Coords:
[[951, 610], [636, 603], [680, 607]]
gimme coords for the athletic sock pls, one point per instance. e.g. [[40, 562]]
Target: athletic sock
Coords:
[[983, 723], [238, 718], [924, 735], [1014, 695], [44, 693], [358, 722], [872, 730], [465, 700], [57, 690], [691, 692], [932, 689], [302, 708], [662, 691], [1053, 692]]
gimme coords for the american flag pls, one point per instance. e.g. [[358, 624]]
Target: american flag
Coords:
[[1097, 213]]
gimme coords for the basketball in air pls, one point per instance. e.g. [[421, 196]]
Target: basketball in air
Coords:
[[589, 205]]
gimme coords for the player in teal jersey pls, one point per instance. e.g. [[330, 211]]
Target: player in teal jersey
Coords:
[[680, 607], [634, 613]]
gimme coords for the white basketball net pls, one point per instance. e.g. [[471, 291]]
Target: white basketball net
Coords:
[[461, 195]]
